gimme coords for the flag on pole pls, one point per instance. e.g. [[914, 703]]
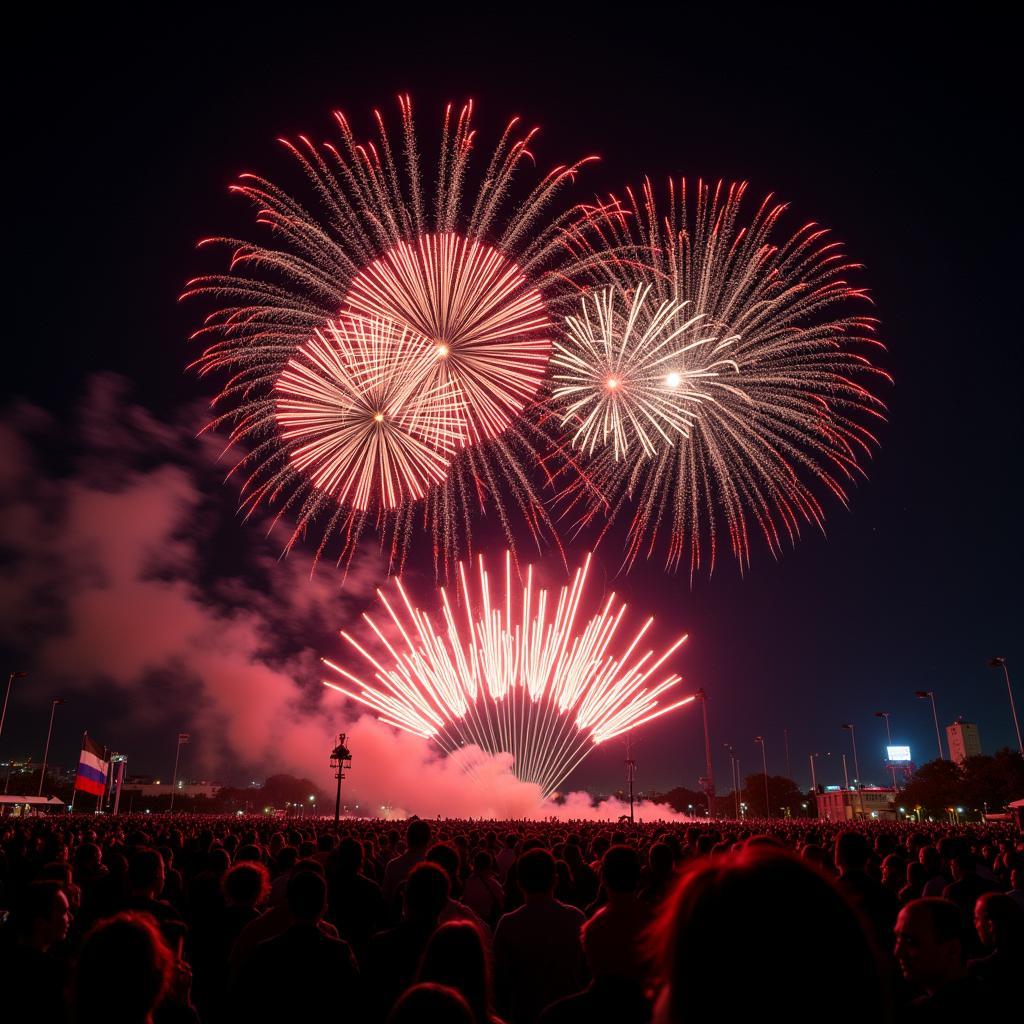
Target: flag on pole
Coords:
[[183, 737], [93, 765]]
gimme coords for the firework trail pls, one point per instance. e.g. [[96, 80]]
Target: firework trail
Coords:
[[785, 394], [471, 273], [524, 675]]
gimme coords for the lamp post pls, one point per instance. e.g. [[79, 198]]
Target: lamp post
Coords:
[[182, 739], [340, 760], [764, 765], [46, 750], [814, 777], [3, 718], [856, 763], [888, 735], [930, 695], [994, 663], [734, 763]]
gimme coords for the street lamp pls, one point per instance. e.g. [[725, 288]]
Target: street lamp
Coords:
[[49, 733], [764, 764], [994, 663], [735, 762], [930, 695], [888, 733], [3, 718], [341, 759], [814, 777], [856, 763]]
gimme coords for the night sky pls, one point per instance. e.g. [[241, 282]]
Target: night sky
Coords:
[[898, 137]]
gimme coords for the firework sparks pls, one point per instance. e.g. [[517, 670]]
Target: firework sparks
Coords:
[[786, 424], [625, 374], [524, 676], [363, 427], [488, 328], [470, 271]]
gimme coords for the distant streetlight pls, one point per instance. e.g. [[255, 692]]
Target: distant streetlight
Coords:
[[994, 663], [888, 733], [3, 718], [49, 733], [856, 763], [930, 695], [764, 764]]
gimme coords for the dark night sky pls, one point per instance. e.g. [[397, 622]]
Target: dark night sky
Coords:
[[898, 137]]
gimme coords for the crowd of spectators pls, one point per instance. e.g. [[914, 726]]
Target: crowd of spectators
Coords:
[[168, 918]]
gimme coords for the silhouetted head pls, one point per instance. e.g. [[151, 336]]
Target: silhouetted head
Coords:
[[437, 1004], [455, 957]]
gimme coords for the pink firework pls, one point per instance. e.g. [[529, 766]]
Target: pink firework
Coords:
[[513, 668], [361, 422], [489, 328]]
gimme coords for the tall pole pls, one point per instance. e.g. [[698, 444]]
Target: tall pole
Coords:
[[764, 765], [709, 769], [46, 750], [182, 738], [735, 775], [856, 763], [3, 718], [846, 775], [994, 663], [630, 773], [888, 735], [922, 694]]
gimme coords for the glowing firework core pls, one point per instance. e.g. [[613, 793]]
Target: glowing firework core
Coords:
[[519, 677]]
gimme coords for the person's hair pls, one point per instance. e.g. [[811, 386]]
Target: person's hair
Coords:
[[133, 943], [1006, 915], [455, 956], [852, 849], [428, 1002], [535, 871], [248, 852], [306, 894], [247, 883], [620, 869], [483, 861], [418, 833], [325, 842], [427, 890], [965, 863], [33, 902], [349, 855], [144, 867], [447, 856], [943, 915], [286, 858], [792, 913]]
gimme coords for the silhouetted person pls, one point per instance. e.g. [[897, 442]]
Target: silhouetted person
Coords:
[[538, 957], [999, 924], [301, 974], [39, 921], [878, 904], [355, 902], [966, 887], [431, 1004], [929, 950], [738, 923], [417, 838], [455, 956], [393, 955]]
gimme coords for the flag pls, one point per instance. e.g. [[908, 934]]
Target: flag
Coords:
[[93, 765], [183, 737]]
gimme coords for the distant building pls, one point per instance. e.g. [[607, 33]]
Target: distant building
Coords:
[[963, 740], [208, 789], [837, 804]]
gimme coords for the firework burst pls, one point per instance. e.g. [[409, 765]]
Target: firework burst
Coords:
[[512, 668], [785, 424], [625, 376], [468, 271], [359, 421]]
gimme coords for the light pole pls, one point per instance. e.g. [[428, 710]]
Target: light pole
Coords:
[[340, 760], [930, 694], [814, 777], [888, 735], [49, 733], [994, 663], [3, 718], [764, 764], [709, 769], [735, 775], [182, 739], [856, 763]]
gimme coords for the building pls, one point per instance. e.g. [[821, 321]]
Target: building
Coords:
[[838, 804], [157, 788], [963, 740]]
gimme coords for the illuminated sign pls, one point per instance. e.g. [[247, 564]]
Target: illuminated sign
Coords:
[[898, 753]]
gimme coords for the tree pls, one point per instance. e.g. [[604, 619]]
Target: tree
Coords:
[[934, 786], [783, 793]]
